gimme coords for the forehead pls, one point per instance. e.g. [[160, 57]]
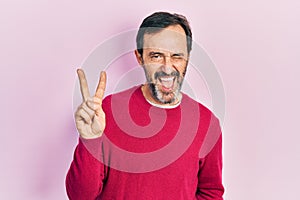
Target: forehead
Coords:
[[172, 38]]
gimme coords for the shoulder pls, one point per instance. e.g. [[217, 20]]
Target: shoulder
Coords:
[[121, 100], [210, 128], [120, 96], [205, 112], [209, 125]]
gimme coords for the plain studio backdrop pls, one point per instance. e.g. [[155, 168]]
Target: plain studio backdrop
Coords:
[[254, 45]]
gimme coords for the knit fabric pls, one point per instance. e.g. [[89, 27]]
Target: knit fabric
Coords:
[[148, 152]]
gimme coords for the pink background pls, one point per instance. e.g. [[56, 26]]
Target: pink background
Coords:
[[254, 44]]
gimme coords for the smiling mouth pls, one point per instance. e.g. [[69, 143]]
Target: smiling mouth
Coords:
[[167, 83]]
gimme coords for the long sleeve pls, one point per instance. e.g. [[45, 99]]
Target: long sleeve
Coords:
[[210, 185], [86, 175]]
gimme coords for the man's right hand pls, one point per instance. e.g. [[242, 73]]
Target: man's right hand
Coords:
[[89, 117]]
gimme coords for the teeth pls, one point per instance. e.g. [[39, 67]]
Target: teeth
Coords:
[[167, 82], [167, 79]]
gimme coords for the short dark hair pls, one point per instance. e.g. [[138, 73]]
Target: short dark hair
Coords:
[[158, 20]]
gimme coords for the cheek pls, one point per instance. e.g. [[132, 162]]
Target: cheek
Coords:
[[182, 73], [182, 70], [151, 69]]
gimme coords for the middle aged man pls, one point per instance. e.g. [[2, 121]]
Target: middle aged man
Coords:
[[174, 143]]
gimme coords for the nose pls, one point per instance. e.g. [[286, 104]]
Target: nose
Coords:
[[168, 65]]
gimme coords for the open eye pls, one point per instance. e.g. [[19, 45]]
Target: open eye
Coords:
[[156, 56]]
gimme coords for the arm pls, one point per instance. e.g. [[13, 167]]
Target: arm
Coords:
[[86, 175], [210, 185]]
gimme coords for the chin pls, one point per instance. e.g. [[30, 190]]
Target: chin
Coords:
[[165, 97]]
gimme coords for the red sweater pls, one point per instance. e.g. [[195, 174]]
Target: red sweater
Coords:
[[149, 153]]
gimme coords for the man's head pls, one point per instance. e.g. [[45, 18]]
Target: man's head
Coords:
[[163, 47], [160, 20]]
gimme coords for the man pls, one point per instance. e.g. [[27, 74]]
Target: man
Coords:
[[174, 143]]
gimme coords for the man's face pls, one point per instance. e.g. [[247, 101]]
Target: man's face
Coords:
[[165, 60]]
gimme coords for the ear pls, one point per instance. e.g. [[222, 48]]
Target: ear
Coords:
[[139, 57]]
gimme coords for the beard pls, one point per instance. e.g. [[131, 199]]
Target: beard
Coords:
[[165, 97]]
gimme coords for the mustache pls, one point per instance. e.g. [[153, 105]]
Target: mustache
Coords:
[[161, 73]]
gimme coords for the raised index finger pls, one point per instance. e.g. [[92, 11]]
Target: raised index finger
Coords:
[[101, 86], [83, 85]]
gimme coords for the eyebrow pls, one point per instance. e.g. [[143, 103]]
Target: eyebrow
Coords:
[[160, 53], [178, 54], [155, 53]]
